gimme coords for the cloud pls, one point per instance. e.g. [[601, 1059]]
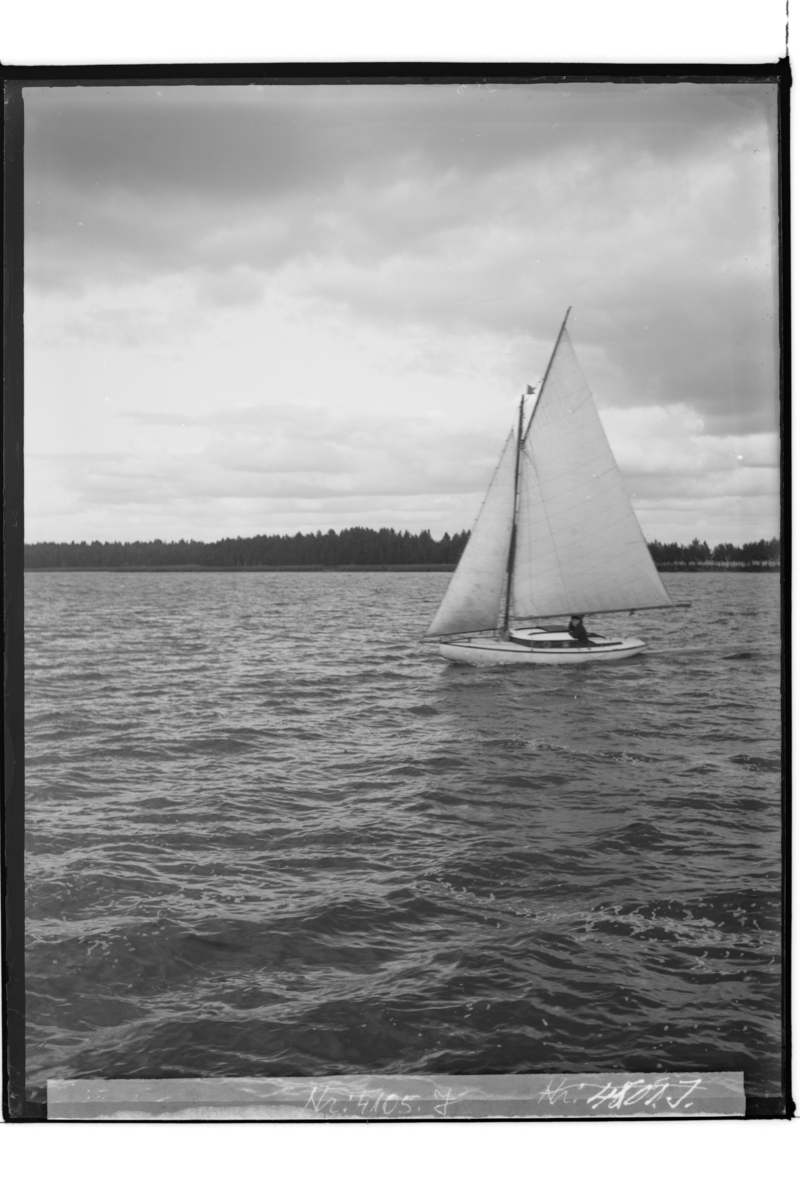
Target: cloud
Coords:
[[280, 453], [436, 235], [650, 209]]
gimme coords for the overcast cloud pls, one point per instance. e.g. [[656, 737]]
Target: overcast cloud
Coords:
[[256, 309]]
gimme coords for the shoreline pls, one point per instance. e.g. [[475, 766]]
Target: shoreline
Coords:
[[193, 568], [422, 568]]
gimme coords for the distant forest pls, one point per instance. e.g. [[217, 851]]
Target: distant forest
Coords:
[[352, 548], [755, 555]]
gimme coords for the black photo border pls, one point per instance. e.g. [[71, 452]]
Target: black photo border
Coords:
[[17, 1106]]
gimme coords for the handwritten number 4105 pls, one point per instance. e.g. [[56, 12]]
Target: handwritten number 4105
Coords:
[[383, 1104]]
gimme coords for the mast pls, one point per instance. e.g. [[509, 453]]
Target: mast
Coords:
[[549, 365], [513, 543]]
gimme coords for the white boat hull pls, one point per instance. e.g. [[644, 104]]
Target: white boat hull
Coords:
[[492, 651]]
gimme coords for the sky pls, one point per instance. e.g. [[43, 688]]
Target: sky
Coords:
[[256, 309]]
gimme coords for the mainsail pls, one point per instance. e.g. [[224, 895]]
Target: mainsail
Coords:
[[578, 547], [472, 601]]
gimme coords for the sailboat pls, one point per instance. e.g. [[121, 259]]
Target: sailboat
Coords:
[[556, 536]]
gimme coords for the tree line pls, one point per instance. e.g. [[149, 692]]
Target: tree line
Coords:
[[356, 547], [698, 554]]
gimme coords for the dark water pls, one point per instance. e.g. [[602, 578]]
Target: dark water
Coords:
[[269, 833]]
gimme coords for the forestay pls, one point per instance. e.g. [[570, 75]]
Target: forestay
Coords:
[[579, 548], [472, 601]]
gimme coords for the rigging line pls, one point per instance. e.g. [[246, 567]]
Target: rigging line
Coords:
[[547, 372], [533, 467], [596, 612], [512, 547]]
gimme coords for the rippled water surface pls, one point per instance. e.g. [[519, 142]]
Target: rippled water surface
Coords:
[[270, 833]]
